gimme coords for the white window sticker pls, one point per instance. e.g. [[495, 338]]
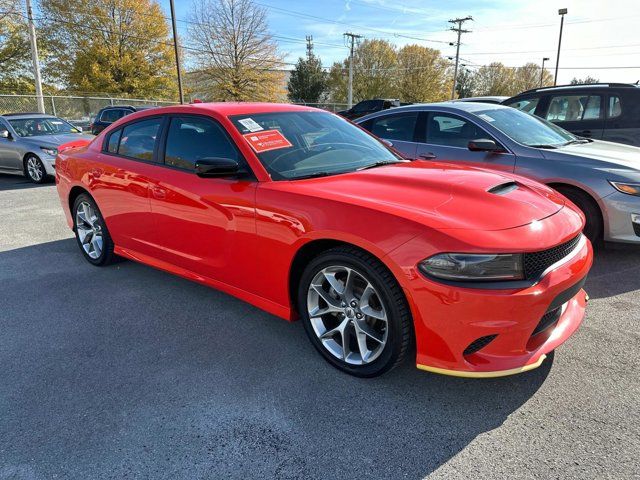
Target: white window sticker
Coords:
[[250, 124], [486, 117]]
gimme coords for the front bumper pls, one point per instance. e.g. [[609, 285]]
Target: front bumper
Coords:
[[618, 209], [449, 319], [49, 163]]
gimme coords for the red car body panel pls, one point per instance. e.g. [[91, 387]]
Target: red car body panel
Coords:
[[242, 236]]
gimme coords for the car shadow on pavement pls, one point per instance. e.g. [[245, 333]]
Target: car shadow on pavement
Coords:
[[616, 270], [18, 182], [129, 371]]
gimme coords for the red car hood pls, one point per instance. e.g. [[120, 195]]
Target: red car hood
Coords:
[[441, 196]]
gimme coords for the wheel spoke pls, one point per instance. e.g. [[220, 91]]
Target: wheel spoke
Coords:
[[372, 312], [346, 335], [367, 331], [88, 214], [334, 282], [332, 303], [361, 337]]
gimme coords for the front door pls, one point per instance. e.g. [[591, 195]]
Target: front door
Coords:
[[446, 138], [10, 158], [205, 225]]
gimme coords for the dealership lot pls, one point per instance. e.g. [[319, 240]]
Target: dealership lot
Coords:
[[127, 372]]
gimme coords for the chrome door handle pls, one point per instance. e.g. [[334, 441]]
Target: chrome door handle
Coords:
[[428, 155]]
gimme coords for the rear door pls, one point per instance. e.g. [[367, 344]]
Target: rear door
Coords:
[[398, 128], [623, 117], [10, 157], [580, 113], [445, 138]]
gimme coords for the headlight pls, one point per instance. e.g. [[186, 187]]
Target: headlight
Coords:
[[628, 188], [474, 267], [50, 151]]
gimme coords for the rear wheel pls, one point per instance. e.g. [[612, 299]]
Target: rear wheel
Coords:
[[593, 228], [354, 312], [91, 232], [34, 169]]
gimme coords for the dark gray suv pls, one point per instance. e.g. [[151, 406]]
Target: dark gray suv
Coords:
[[608, 111]]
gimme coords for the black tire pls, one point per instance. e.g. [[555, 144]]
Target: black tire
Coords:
[[107, 256], [593, 229], [38, 165], [399, 321]]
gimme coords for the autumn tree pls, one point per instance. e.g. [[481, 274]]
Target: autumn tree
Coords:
[[466, 84], [308, 80], [527, 77], [495, 79], [14, 48], [235, 53], [583, 81], [422, 75]]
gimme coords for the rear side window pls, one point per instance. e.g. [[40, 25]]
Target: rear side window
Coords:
[[399, 126], [138, 139], [112, 114], [114, 141], [192, 138], [614, 110], [575, 108], [527, 105]]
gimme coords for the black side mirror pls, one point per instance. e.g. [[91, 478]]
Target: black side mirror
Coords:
[[484, 145], [216, 167]]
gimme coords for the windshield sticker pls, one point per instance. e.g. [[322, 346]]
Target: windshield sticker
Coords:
[[250, 124], [486, 117], [267, 140]]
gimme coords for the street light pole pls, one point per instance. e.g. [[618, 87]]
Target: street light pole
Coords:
[[562, 12], [34, 57], [542, 70], [175, 47]]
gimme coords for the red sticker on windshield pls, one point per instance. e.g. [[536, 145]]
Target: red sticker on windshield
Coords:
[[267, 140]]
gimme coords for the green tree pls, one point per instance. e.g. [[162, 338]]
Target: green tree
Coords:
[[308, 80], [422, 75], [14, 49], [119, 47], [495, 79], [237, 57], [466, 84]]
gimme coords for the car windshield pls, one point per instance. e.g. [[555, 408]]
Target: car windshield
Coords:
[[526, 129], [293, 145], [37, 126]]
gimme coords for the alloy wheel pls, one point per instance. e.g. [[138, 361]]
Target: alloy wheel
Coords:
[[89, 230], [347, 315], [35, 169]]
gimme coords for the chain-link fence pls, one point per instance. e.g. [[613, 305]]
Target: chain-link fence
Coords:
[[81, 110]]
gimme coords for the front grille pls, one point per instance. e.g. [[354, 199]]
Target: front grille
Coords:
[[537, 262], [548, 320], [478, 344]]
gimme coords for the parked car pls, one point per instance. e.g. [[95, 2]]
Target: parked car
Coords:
[[601, 178], [608, 111], [489, 99], [29, 143], [369, 106], [303, 214], [107, 115]]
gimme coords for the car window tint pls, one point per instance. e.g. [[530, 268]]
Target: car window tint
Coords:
[[114, 140], [452, 131], [190, 139], [364, 106], [111, 115], [395, 127], [574, 108], [614, 107], [527, 105], [139, 138]]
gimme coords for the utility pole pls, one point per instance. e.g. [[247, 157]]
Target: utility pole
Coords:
[[562, 12], [309, 46], [544, 59], [175, 47], [352, 40], [460, 30], [34, 56]]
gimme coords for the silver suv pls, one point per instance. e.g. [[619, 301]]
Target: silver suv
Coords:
[[29, 143]]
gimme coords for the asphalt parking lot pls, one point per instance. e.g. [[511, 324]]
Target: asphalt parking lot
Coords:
[[129, 372]]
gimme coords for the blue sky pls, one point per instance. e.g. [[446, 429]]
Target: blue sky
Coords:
[[597, 34]]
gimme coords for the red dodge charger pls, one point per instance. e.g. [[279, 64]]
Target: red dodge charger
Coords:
[[305, 215]]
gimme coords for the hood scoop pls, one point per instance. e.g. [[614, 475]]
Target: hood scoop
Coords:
[[503, 188]]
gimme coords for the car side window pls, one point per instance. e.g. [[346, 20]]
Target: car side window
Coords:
[[527, 105], [452, 131], [575, 108], [614, 110], [138, 139], [399, 126], [111, 115], [190, 139], [114, 141], [364, 106]]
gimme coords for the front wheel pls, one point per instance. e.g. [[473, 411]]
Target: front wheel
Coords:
[[354, 312], [593, 228], [91, 232], [34, 169]]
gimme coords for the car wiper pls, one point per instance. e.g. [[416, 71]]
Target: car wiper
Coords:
[[577, 141], [550, 147], [314, 175], [377, 164]]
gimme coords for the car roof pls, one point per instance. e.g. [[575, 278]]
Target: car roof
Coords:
[[488, 99], [132, 107], [25, 115], [586, 86], [442, 106]]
